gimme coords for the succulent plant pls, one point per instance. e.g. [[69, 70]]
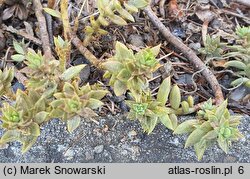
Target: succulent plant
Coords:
[[46, 74], [22, 119], [127, 70], [213, 124], [115, 11], [244, 34], [6, 77], [213, 47], [150, 111], [244, 72], [75, 102]]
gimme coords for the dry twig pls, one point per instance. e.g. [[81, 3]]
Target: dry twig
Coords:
[[43, 28], [84, 51], [188, 53]]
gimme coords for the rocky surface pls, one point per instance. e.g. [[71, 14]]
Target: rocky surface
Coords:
[[117, 139]]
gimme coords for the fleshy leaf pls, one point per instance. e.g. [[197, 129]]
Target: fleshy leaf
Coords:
[[175, 97], [9, 136], [236, 64], [72, 72], [162, 95], [223, 143], [186, 127], [94, 103], [73, 123], [113, 66], [18, 48], [41, 117], [119, 88], [197, 134], [151, 123], [53, 12], [156, 50], [200, 148], [27, 142], [18, 57]]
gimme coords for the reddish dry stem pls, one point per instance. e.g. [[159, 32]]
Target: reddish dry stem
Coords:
[[84, 51], [199, 65], [43, 28]]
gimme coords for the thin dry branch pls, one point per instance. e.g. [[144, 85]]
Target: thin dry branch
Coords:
[[84, 51], [190, 54], [43, 28]]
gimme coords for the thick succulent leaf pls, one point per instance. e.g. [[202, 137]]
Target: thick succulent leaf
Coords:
[[211, 135], [197, 134], [94, 103], [40, 105], [185, 107], [124, 75], [27, 142], [118, 20], [56, 113], [223, 143], [50, 89], [41, 117], [57, 103], [119, 88], [125, 14], [174, 120], [72, 72], [165, 120], [200, 148], [190, 101], [130, 8], [18, 57], [34, 129], [164, 90], [236, 64], [103, 20], [186, 127], [138, 3], [97, 94], [122, 52], [221, 110], [239, 81], [151, 123], [175, 97], [73, 123], [156, 50], [113, 66], [9, 136], [53, 12], [18, 48]]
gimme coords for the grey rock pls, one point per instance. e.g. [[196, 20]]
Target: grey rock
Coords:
[[136, 40], [89, 155], [195, 46], [98, 149], [160, 146], [69, 154]]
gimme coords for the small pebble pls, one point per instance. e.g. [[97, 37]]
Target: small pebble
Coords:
[[69, 154], [98, 149]]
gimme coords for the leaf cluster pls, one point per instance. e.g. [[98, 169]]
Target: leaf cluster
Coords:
[[150, 111], [213, 124], [115, 11], [52, 91], [129, 71]]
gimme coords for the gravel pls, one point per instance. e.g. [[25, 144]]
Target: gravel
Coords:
[[122, 141]]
